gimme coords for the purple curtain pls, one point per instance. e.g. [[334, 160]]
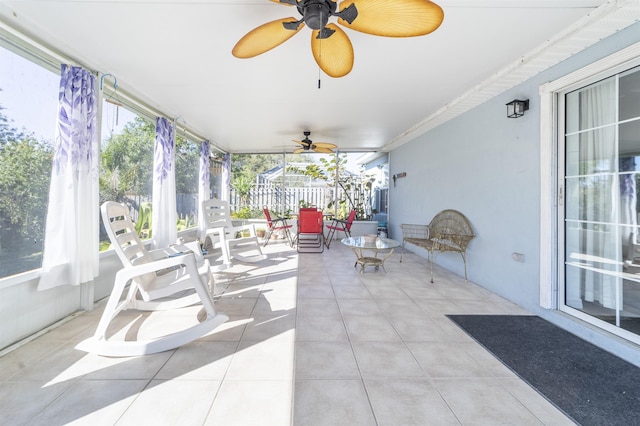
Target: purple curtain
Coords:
[[226, 177], [164, 215], [204, 187]]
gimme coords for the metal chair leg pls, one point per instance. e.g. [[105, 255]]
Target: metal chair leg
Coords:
[[267, 236], [327, 240]]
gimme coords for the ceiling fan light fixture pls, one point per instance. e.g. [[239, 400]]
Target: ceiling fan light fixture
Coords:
[[316, 13], [307, 145]]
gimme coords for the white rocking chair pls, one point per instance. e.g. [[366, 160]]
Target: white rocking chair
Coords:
[[159, 280], [235, 242]]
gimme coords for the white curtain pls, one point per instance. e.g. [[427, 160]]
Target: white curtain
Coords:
[[226, 177], [628, 203], [71, 239], [164, 215], [598, 149], [204, 187]]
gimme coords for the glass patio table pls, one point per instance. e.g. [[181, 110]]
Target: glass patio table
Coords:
[[360, 245]]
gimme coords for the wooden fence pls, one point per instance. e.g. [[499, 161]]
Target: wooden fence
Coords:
[[276, 198], [281, 199]]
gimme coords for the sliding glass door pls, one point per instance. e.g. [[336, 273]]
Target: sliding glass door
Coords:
[[601, 259]]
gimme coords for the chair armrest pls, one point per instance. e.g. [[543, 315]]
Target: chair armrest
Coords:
[[336, 222], [187, 259], [177, 249], [158, 254], [410, 230], [248, 227], [170, 251], [219, 231], [216, 230], [279, 219]]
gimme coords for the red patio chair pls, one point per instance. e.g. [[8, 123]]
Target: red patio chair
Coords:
[[310, 236], [340, 225], [276, 224]]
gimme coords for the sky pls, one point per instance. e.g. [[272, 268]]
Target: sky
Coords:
[[29, 94], [29, 97]]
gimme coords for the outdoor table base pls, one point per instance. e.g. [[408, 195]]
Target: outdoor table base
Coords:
[[359, 246]]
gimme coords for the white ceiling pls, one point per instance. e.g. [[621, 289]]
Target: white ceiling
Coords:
[[176, 56]]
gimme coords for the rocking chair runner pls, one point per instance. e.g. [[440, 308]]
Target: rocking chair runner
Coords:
[[276, 224], [239, 242], [154, 278], [340, 225]]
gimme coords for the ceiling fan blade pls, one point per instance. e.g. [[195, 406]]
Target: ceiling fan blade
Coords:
[[323, 150], [325, 145], [298, 150], [400, 18], [264, 38], [334, 55]]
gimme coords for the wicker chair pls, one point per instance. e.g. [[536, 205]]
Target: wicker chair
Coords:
[[449, 230]]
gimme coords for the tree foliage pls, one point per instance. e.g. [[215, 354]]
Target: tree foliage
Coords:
[[249, 166], [187, 166], [25, 170], [126, 164], [7, 131], [243, 186]]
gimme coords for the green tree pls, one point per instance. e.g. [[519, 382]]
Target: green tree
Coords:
[[126, 163], [187, 166], [251, 165], [243, 187], [7, 131], [25, 173]]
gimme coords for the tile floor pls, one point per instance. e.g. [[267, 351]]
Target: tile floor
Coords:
[[310, 341]]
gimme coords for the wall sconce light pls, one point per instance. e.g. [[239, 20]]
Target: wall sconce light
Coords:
[[516, 108], [399, 175]]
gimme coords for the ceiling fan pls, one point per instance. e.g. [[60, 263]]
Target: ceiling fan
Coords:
[[309, 145], [330, 45]]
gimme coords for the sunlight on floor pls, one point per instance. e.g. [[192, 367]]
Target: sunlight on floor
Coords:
[[309, 341]]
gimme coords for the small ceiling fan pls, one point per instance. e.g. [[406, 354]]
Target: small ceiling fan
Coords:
[[309, 145], [330, 45]]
